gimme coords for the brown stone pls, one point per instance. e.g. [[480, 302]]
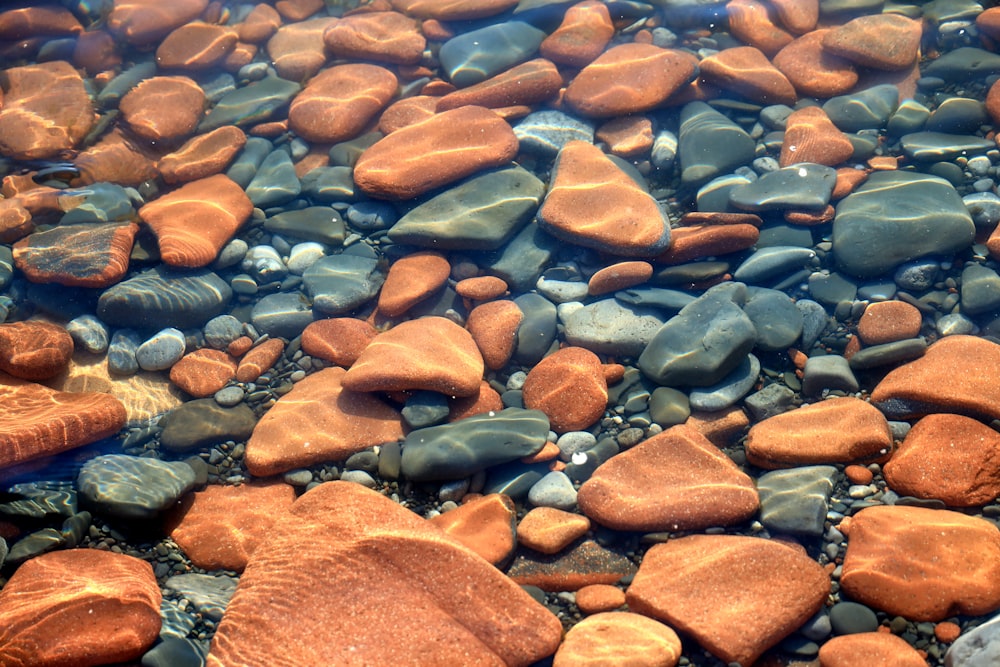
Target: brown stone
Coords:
[[429, 154], [79, 607], [797, 16], [629, 137], [339, 340], [481, 288], [91, 255], [813, 71], [196, 46], [922, 564], [164, 108], [889, 321], [43, 21], [259, 25], [485, 525], [810, 136], [340, 102], [858, 474], [297, 10], [194, 222], [583, 564], [407, 111], [769, 590], [988, 22], [387, 37], [722, 428], [493, 327], [676, 480], [879, 41], [259, 359], [297, 49], [746, 71], [202, 156], [569, 387], [585, 31], [550, 530], [528, 83], [143, 22], [456, 615], [870, 648], [700, 241], [115, 159], [96, 51], [629, 78], [203, 372], [848, 180], [412, 279], [755, 23], [483, 401], [452, 10], [599, 597], [15, 221], [240, 346], [593, 203], [618, 277], [619, 638], [34, 350]]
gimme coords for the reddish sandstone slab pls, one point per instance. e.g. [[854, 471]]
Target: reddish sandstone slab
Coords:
[[46, 110], [452, 10], [143, 22], [115, 159], [340, 102], [89, 255], [619, 638], [493, 326], [593, 203], [412, 279], [569, 387], [259, 359], [407, 111], [82, 607], [528, 83], [870, 648], [810, 136], [618, 277], [923, 564], [889, 321], [164, 108], [736, 596], [837, 430], [585, 30], [34, 350], [259, 25], [347, 550], [485, 400], [195, 221], [430, 353], [879, 41], [550, 530], [814, 71], [481, 288], [319, 420], [203, 372], [220, 528], [196, 46], [431, 153], [629, 78], [746, 71], [754, 23], [340, 339], [676, 480], [486, 525], [797, 16], [629, 136], [297, 49], [388, 37], [15, 221], [202, 156], [699, 241], [599, 598], [45, 20]]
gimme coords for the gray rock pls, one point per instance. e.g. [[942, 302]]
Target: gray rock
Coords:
[[868, 109], [729, 391], [941, 147], [562, 291], [815, 320], [828, 371], [795, 501], [832, 288], [35, 544], [250, 104], [523, 259], [537, 330], [161, 351], [477, 55], [340, 283], [321, 224], [917, 276], [41, 499], [284, 314], [770, 401], [804, 185], [664, 149], [202, 423], [245, 165], [227, 397], [553, 490], [963, 63], [979, 647], [669, 407], [848, 618], [358, 477], [571, 442], [888, 353], [610, 327], [774, 262], [133, 487], [425, 408], [980, 289], [222, 330], [172, 651], [545, 132], [209, 594], [121, 352], [119, 86], [984, 207], [371, 215], [958, 115], [184, 299], [89, 334], [710, 144], [275, 181], [910, 116], [775, 317], [955, 324], [669, 300], [303, 255], [102, 202], [327, 185]]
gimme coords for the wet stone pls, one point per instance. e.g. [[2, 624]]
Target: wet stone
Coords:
[[796, 501], [710, 144], [122, 350], [980, 289], [958, 115], [828, 371], [284, 314], [775, 317], [585, 563], [941, 147], [161, 350], [804, 185], [314, 223], [546, 132], [340, 283], [963, 63], [85, 255], [608, 326], [207, 593], [275, 181], [203, 423], [89, 334], [251, 104], [868, 109], [131, 487], [480, 54], [554, 490], [729, 390], [183, 298]]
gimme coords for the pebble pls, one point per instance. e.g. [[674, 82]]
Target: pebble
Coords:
[[161, 351], [130, 487], [796, 501], [553, 490]]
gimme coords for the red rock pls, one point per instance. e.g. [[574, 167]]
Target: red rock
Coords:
[[858, 474], [387, 37], [240, 346], [340, 340], [585, 31], [629, 78], [481, 288], [947, 632], [676, 480], [619, 638], [618, 277], [196, 46], [493, 326], [452, 10], [143, 22], [848, 179], [549, 452], [485, 525], [769, 590], [115, 159], [870, 648], [202, 156], [203, 372], [91, 255], [483, 401], [15, 221], [700, 241], [195, 221], [569, 387], [410, 162], [164, 108], [528, 83], [889, 321], [721, 428], [746, 71], [40, 421], [46, 110], [550, 530], [34, 350], [298, 10], [340, 102], [412, 279], [583, 564], [923, 564], [837, 430], [813, 71], [593, 203], [797, 16], [96, 51], [319, 420], [43, 21], [459, 614], [259, 359], [407, 111], [810, 136], [952, 376], [297, 49], [81, 607], [629, 137], [879, 41], [754, 23], [950, 458], [259, 25], [599, 597]]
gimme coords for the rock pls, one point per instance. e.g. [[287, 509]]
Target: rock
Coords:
[[164, 108], [976, 647], [91, 255], [319, 420], [526, 84], [619, 276], [775, 318], [339, 340], [710, 144], [202, 423], [132, 487], [800, 186], [340, 102], [162, 350], [583, 564], [889, 321], [196, 46], [203, 372], [609, 326], [320, 224], [617, 636], [481, 288], [881, 41], [828, 371], [297, 50], [250, 104], [485, 525], [550, 530], [811, 137], [772, 590], [259, 359], [209, 595], [582, 36], [474, 56], [747, 72], [493, 327], [202, 156], [812, 70], [727, 391], [452, 10], [752, 23], [546, 132], [388, 37], [923, 564], [795, 501], [145, 301], [275, 181], [412, 279], [700, 241], [569, 387], [676, 480], [878, 647], [71, 603], [25, 22], [34, 350], [143, 22]]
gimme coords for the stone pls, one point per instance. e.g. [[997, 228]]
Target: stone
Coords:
[[800, 186], [452, 10], [922, 564], [676, 480], [161, 350], [202, 156], [133, 487], [259, 359], [21, 23], [710, 240], [828, 371], [881, 647], [339, 340], [976, 647], [164, 108], [86, 255], [599, 598], [710, 144], [412, 279], [207, 594], [629, 137], [297, 49], [550, 530], [196, 46], [340, 102], [493, 327], [183, 298], [319, 224], [812, 70], [527, 84], [34, 350], [481, 288], [775, 318], [584, 564], [796, 501], [115, 158], [889, 321], [810, 136], [485, 525], [747, 72], [616, 637], [275, 181], [582, 36], [569, 387], [472, 57], [865, 109], [253, 103], [203, 372], [202, 423], [388, 37], [752, 23], [143, 22], [881, 41], [72, 602], [546, 132], [319, 420]]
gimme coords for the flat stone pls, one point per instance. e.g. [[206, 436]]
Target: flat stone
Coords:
[[975, 648], [941, 146], [340, 283], [196, 46], [412, 279], [133, 487], [203, 372], [320, 224], [481, 288], [747, 72], [526, 84], [775, 318], [202, 156], [493, 327], [21, 23], [284, 314], [881, 41], [183, 298], [866, 109], [143, 22], [203, 423], [340, 102], [297, 49], [477, 55], [812, 70], [810, 136], [115, 158], [546, 132], [34, 350], [710, 144], [569, 387], [796, 501], [803, 185], [250, 104], [91, 255], [485, 524], [889, 321], [610, 636], [584, 564], [275, 182], [339, 340], [828, 371], [452, 10], [259, 359], [582, 36], [886, 354], [388, 37], [599, 598], [550, 530], [727, 391], [752, 23], [164, 108], [884, 647]]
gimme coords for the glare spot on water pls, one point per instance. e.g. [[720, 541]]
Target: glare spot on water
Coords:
[[579, 458]]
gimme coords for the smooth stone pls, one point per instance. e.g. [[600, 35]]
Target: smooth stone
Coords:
[[222, 330], [910, 116], [832, 288], [203, 423], [814, 321], [710, 144], [208, 594], [562, 291], [121, 352], [917, 276], [955, 324], [606, 636], [775, 317], [46, 110], [888, 353], [772, 262], [984, 207], [248, 160], [865, 110], [544, 133], [849, 618], [610, 327], [523, 259], [980, 289], [83, 255], [554, 490], [958, 115], [669, 407], [340, 283], [425, 408], [941, 147], [253, 103], [304, 255], [669, 300], [284, 314], [978, 647], [319, 224], [275, 182], [538, 328], [162, 350], [132, 487], [774, 399], [963, 63], [185, 299], [569, 387], [828, 372], [881, 647], [803, 185], [796, 501], [584, 563], [729, 390], [477, 55]]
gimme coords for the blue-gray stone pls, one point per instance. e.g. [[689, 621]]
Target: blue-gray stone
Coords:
[[251, 104], [795, 501], [321, 224], [133, 487], [89, 333], [265, 264], [6, 266], [849, 618], [714, 195], [537, 330], [102, 202], [571, 442], [459, 449], [173, 651], [955, 324], [340, 283], [958, 115], [910, 116], [162, 350], [41, 499], [326, 185], [885, 354], [964, 63], [425, 408], [275, 181], [208, 594], [710, 144], [562, 291], [776, 319], [203, 423], [35, 544], [828, 371], [222, 330], [668, 300], [727, 391], [244, 167], [979, 647], [227, 397], [980, 289], [664, 150], [514, 479], [610, 327], [831, 288], [917, 276], [523, 259], [554, 490], [371, 216], [121, 352], [544, 133], [118, 87], [804, 185], [303, 255], [940, 147], [669, 407], [477, 55], [770, 401], [773, 262], [284, 314], [865, 110], [164, 296]]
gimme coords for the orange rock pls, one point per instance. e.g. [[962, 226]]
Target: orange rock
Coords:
[[452, 10], [34, 350], [837, 430], [879, 41], [259, 359], [164, 108], [15, 221], [319, 420], [618, 277], [813, 71], [96, 51], [90, 255], [628, 137], [599, 597], [143, 22], [988, 22], [753, 23], [699, 241], [629, 78], [219, 528], [298, 10], [340, 102], [493, 327], [872, 648], [340, 339], [593, 203], [411, 160], [485, 525], [115, 159], [797, 16], [619, 637], [203, 372], [848, 179], [526, 84], [412, 279], [770, 590], [68, 607], [202, 156], [44, 21], [550, 530], [585, 31], [297, 49], [483, 401], [947, 632], [196, 46], [746, 71], [407, 111], [889, 321], [583, 564], [810, 136], [721, 428], [240, 346], [676, 480], [569, 387], [858, 474], [482, 288], [923, 564], [259, 25], [388, 37]]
